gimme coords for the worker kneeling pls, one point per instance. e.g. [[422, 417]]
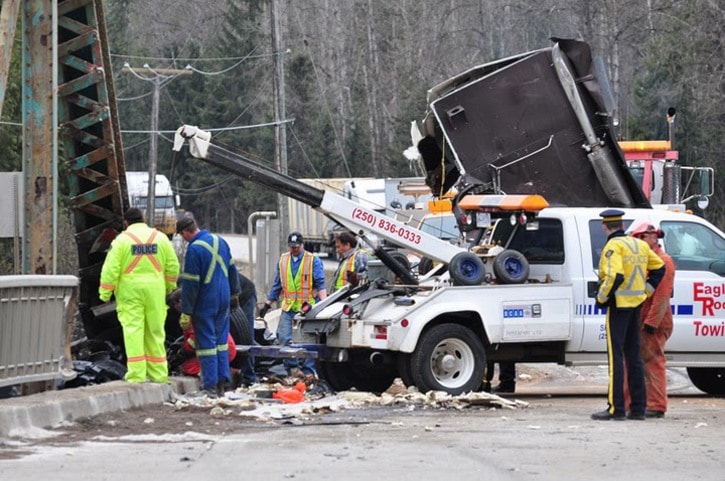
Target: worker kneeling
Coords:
[[191, 366]]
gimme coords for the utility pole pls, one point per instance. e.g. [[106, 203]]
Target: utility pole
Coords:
[[280, 128], [159, 76]]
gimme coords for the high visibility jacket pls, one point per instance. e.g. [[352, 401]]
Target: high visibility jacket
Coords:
[[140, 253], [623, 271], [355, 261], [296, 288]]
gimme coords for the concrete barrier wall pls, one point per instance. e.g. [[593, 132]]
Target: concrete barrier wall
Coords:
[[34, 317]]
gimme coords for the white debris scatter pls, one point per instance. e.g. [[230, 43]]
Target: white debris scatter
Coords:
[[149, 421], [258, 402], [700, 425]]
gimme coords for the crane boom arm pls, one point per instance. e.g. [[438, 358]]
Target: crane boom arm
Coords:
[[348, 213]]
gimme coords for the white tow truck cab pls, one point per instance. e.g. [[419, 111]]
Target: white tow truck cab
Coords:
[[439, 335]]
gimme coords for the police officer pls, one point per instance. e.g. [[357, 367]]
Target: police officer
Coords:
[[140, 269], [353, 265], [209, 280], [623, 287]]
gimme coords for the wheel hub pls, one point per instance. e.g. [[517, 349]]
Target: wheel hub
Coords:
[[448, 362]]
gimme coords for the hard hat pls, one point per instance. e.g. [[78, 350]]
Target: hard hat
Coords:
[[642, 226]]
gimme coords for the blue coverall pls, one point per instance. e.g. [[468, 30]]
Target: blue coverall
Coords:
[[209, 279]]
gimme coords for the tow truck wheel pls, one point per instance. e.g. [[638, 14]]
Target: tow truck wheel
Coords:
[[404, 369], [449, 358], [708, 379], [466, 269], [360, 375], [511, 267]]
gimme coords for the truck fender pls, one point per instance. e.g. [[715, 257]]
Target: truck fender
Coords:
[[456, 312]]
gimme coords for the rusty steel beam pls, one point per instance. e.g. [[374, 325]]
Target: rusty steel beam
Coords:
[[38, 141], [91, 140]]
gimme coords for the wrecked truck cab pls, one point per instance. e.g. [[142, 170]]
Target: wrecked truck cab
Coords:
[[535, 123]]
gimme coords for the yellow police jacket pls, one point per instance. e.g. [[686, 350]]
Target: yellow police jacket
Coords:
[[138, 252], [623, 271]]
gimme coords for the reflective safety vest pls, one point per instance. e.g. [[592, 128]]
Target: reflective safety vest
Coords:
[[631, 258], [347, 265], [298, 288], [139, 251]]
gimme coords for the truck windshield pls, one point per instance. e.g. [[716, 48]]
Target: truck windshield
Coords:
[[163, 202], [542, 246], [442, 226]]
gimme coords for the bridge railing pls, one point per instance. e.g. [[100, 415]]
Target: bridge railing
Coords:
[[36, 322]]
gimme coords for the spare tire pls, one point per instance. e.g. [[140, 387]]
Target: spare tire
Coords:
[[466, 269], [511, 267]]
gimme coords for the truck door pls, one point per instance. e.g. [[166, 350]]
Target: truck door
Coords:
[[594, 337], [698, 299]]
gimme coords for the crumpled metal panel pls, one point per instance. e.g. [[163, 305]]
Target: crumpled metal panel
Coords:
[[509, 127]]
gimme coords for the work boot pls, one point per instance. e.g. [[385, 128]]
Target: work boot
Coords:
[[210, 393], [635, 417], [222, 387], [503, 388], [606, 416], [654, 414]]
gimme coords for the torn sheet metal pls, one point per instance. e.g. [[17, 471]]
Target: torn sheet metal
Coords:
[[514, 126]]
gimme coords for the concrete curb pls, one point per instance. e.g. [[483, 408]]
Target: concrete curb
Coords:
[[50, 408]]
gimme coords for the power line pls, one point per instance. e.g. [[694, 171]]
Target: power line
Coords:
[[221, 129], [199, 59]]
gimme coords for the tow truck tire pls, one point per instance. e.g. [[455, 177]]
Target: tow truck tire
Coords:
[[449, 358], [337, 374], [342, 376], [511, 267], [404, 369], [467, 269], [401, 259], [708, 379], [424, 266]]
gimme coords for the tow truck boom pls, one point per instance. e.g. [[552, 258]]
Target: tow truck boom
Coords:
[[345, 211]]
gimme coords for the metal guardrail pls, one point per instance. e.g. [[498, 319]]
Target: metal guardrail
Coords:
[[36, 322]]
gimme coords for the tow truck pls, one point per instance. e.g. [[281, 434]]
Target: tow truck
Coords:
[[524, 293], [524, 289]]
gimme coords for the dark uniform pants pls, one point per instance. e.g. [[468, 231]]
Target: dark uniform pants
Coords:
[[623, 346]]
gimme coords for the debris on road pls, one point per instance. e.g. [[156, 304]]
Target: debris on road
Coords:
[[259, 401]]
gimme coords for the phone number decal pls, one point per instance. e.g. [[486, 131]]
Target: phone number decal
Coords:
[[387, 226]]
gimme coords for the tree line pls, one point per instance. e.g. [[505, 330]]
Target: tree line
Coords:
[[357, 72]]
